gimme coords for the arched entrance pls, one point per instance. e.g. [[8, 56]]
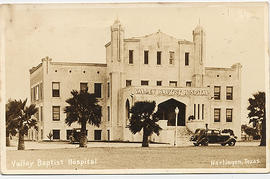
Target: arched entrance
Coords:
[[166, 111]]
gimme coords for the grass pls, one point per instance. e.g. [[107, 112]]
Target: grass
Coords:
[[141, 158]]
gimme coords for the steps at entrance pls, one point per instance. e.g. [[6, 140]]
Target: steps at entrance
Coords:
[[183, 136]]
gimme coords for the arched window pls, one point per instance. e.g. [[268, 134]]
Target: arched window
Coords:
[[127, 112]]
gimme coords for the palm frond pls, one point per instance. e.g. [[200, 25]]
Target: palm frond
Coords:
[[83, 107]]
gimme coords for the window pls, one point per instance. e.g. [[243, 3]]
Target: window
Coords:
[[67, 114], [40, 90], [198, 111], [187, 59], [56, 113], [32, 94], [217, 115], [56, 89], [188, 84], [173, 83], [229, 92], [41, 134], [97, 134], [98, 90], [41, 113], [127, 112], [84, 87], [228, 115], [194, 111], [144, 83], [217, 92], [69, 132], [36, 93], [108, 134], [130, 59], [146, 57], [171, 60], [37, 115], [128, 82], [159, 83], [202, 111], [108, 110], [56, 134], [159, 58], [108, 86]]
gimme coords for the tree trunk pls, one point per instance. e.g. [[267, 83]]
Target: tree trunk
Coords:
[[83, 137], [145, 139], [263, 136], [21, 141], [7, 139]]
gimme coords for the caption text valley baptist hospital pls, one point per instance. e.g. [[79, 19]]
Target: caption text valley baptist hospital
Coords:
[[155, 67]]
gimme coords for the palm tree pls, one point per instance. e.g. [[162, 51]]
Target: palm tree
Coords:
[[143, 117], [11, 126], [257, 114], [20, 117], [83, 108]]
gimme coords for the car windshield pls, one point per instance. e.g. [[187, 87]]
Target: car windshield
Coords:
[[199, 131]]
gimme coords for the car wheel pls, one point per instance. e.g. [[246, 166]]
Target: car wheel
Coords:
[[232, 143], [205, 142]]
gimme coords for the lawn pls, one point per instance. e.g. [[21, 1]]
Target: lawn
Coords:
[[137, 158]]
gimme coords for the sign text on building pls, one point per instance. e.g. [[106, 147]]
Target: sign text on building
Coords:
[[172, 92]]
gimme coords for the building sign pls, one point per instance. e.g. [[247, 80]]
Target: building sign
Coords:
[[172, 92]]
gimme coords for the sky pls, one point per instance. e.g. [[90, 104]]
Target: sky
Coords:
[[235, 33]]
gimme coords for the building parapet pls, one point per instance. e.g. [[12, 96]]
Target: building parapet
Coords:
[[33, 69], [185, 42], [79, 64], [107, 44], [217, 68], [131, 40], [236, 65]]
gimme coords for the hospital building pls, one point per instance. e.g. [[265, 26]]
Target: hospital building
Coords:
[[155, 67]]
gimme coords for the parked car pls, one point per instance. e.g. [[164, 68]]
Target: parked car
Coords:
[[75, 135], [213, 136]]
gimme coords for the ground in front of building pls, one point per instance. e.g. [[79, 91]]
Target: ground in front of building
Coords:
[[158, 157]]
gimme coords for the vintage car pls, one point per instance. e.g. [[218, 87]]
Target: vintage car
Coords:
[[74, 137], [212, 136]]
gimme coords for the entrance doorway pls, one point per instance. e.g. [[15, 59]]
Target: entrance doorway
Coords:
[[166, 110]]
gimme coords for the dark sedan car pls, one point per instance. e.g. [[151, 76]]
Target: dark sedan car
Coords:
[[74, 137], [212, 136]]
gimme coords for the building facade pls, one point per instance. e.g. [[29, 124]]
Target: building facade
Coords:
[[155, 67]]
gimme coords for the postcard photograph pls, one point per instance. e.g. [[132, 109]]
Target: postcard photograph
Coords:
[[134, 88]]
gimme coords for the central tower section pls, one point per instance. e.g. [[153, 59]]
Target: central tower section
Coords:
[[115, 62], [199, 56]]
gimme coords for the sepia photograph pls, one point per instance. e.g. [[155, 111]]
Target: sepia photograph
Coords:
[[134, 88]]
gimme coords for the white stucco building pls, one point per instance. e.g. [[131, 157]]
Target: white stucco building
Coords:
[[155, 67]]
